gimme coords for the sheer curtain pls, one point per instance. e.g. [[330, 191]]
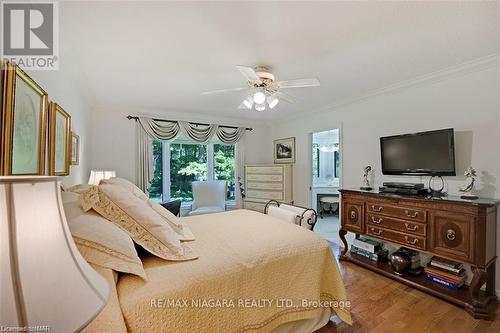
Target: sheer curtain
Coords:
[[149, 129]]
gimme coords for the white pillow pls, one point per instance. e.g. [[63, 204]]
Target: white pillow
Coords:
[[146, 227], [299, 211], [180, 228], [282, 214], [99, 241]]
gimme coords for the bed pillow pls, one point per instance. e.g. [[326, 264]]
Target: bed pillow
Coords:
[[180, 228], [100, 242], [80, 188], [136, 217]]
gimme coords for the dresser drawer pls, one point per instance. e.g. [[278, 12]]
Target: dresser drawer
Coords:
[[256, 206], [271, 195], [265, 186], [451, 235], [405, 226], [407, 213], [411, 241], [353, 216], [264, 178], [265, 170]]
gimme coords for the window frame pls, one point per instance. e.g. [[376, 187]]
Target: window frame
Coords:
[[166, 180]]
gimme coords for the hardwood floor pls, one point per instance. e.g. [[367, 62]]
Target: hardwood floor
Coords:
[[380, 304]]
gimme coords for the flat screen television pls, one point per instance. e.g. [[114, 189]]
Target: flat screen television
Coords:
[[424, 153]]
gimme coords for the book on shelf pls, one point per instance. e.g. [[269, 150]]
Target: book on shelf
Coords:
[[448, 265], [443, 282], [368, 244], [379, 256], [445, 275]]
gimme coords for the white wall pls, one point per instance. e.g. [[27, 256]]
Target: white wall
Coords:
[[73, 99], [470, 103], [113, 138]]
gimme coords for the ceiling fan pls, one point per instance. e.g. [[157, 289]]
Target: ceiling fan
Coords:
[[264, 88]]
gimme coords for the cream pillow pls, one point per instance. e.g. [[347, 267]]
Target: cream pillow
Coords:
[[180, 228], [80, 188], [100, 242], [146, 227]]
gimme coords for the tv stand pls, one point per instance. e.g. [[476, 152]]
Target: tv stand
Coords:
[[451, 227]]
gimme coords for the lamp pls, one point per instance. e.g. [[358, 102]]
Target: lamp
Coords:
[[272, 101], [97, 175], [259, 97], [248, 102], [44, 280]]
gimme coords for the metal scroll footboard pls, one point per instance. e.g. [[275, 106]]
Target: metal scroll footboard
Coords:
[[310, 221]]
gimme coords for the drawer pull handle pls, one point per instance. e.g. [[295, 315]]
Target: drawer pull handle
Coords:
[[379, 221], [410, 214], [376, 232], [413, 242], [377, 209], [450, 234], [409, 228], [354, 216]]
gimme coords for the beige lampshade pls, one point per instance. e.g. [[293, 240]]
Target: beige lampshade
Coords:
[[97, 175], [44, 281]]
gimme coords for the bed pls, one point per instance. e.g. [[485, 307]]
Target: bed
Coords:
[[252, 273]]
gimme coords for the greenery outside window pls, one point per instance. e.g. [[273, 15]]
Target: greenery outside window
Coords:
[[178, 164]]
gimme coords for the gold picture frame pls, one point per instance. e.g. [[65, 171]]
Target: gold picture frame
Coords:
[[59, 140], [284, 151], [75, 149], [23, 120]]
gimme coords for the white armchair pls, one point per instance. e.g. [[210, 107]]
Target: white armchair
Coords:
[[209, 197]]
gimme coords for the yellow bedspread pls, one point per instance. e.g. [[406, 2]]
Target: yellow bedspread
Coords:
[[254, 273]]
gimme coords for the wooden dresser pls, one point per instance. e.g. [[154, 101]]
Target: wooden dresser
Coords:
[[448, 227], [264, 182]]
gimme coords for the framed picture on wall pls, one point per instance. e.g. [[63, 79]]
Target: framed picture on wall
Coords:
[[284, 151], [59, 141], [75, 149], [23, 121]]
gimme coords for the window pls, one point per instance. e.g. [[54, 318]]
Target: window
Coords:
[[177, 164]]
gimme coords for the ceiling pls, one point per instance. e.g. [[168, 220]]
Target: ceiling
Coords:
[[162, 55]]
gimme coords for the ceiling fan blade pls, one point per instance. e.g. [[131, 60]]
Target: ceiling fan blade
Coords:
[[249, 73], [284, 97], [300, 83], [222, 90]]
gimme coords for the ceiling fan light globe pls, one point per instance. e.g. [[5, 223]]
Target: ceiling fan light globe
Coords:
[[259, 97], [272, 101], [260, 107]]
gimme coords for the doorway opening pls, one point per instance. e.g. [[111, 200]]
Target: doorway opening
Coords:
[[325, 182]]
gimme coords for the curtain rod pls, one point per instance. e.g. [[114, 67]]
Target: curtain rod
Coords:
[[174, 121]]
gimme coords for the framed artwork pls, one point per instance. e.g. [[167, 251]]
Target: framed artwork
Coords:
[[23, 123], [59, 141], [75, 149], [284, 151]]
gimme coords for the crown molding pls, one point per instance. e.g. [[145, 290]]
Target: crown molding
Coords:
[[465, 68]]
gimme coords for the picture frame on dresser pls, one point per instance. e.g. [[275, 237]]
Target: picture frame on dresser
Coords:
[[284, 151], [59, 140], [23, 121]]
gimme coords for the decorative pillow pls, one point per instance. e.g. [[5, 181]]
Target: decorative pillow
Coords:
[[299, 211], [180, 228], [100, 242], [146, 227], [80, 188]]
